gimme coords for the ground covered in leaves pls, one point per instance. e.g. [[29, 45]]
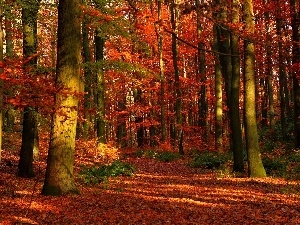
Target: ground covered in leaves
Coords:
[[158, 193]]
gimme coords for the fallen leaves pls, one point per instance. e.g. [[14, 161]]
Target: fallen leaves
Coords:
[[159, 193]]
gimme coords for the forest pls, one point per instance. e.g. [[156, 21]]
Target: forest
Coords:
[[149, 112]]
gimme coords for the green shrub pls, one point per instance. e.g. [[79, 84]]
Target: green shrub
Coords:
[[294, 157], [95, 175], [209, 160], [168, 156], [274, 166], [151, 154]]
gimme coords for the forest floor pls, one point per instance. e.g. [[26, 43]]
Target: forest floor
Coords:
[[157, 193]]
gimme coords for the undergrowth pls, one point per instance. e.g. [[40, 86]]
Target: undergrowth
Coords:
[[155, 154], [209, 160], [98, 174]]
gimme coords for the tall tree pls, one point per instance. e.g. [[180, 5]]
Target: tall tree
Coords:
[[218, 77], [282, 75], [59, 178], [295, 15], [87, 79], [234, 110], [30, 118], [1, 71], [255, 166], [178, 94], [269, 79], [99, 46], [162, 73], [201, 72]]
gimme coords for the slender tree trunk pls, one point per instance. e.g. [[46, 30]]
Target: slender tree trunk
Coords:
[[178, 102], [59, 178], [234, 111], [29, 146], [295, 15], [1, 82], [255, 166], [101, 131], [219, 98], [140, 133], [282, 80], [162, 76], [87, 80], [269, 78], [201, 72], [121, 127]]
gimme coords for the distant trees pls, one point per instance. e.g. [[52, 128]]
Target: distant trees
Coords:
[[152, 74]]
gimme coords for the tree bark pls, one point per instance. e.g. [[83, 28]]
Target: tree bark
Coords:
[[87, 80], [162, 76], [201, 73], [1, 82], [219, 98], [255, 166], [101, 131], [234, 110], [59, 177], [295, 15], [178, 101], [29, 145]]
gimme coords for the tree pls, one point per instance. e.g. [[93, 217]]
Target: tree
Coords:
[[234, 110], [59, 178], [100, 89], [162, 73], [201, 72], [1, 82], [295, 15], [255, 166], [30, 118], [178, 132]]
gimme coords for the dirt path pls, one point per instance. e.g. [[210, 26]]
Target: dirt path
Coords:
[[159, 193]]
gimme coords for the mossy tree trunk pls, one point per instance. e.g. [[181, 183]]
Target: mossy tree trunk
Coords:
[[255, 166], [59, 178], [29, 145]]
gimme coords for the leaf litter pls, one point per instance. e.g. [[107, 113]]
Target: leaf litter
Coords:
[[158, 193]]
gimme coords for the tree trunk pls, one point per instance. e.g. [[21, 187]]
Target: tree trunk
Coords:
[[219, 99], [1, 82], [59, 177], [282, 80], [101, 131], [178, 101], [121, 127], [201, 73], [269, 79], [30, 117], [255, 166], [162, 76], [87, 80], [295, 14], [234, 110]]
